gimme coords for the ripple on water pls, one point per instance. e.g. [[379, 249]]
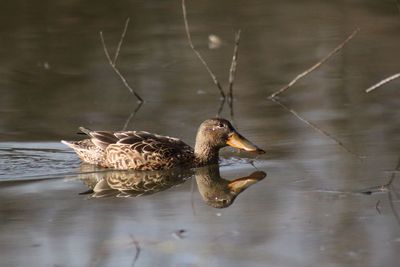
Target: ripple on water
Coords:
[[25, 160]]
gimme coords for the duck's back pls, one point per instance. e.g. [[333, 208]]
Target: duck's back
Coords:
[[136, 150], [141, 150]]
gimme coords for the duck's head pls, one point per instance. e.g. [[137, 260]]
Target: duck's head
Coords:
[[218, 133]]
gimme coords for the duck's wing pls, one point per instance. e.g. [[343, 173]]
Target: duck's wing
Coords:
[[101, 139], [145, 151]]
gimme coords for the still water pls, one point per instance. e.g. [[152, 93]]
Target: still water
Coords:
[[310, 203]]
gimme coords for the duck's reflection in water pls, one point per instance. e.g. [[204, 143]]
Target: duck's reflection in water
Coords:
[[218, 192], [113, 183], [215, 191]]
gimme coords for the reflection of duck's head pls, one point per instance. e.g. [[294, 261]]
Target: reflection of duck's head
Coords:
[[218, 192]]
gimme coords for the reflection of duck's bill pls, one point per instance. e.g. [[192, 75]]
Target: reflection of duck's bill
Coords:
[[241, 184], [236, 140]]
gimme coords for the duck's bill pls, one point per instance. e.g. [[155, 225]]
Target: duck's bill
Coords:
[[236, 140]]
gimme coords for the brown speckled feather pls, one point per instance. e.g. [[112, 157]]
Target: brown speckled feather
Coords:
[[145, 151], [136, 150], [88, 151]]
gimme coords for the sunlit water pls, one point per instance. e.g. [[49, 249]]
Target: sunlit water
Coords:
[[319, 205]]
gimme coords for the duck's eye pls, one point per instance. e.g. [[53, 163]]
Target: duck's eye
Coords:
[[221, 125]]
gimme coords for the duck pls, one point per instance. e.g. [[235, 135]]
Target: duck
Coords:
[[141, 150]]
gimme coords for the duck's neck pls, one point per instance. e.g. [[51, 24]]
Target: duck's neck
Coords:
[[205, 153]]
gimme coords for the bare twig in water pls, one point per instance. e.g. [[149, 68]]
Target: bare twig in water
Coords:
[[315, 66], [132, 115], [316, 128], [389, 188], [377, 207], [221, 107], [232, 71], [137, 250], [230, 106], [112, 63], [214, 78], [393, 175], [393, 208], [252, 163], [375, 189], [179, 234], [121, 40], [383, 82], [231, 111], [386, 187]]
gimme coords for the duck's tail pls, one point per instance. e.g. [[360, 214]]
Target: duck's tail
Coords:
[[101, 139], [85, 130], [68, 143], [73, 144]]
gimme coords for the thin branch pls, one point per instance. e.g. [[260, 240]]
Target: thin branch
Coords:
[[121, 40], [393, 208], [221, 107], [214, 78], [132, 115], [393, 175], [179, 234], [373, 190], [384, 81], [395, 191], [232, 70], [116, 70], [232, 115], [232, 73], [316, 128], [105, 49], [389, 188], [315, 66], [377, 207]]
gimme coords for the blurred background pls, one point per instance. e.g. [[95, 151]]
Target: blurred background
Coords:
[[55, 77]]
